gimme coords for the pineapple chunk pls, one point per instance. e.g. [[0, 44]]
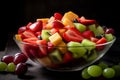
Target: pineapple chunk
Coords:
[[62, 47], [67, 22], [45, 61], [61, 31], [18, 37], [70, 15], [44, 20], [49, 23], [55, 39]]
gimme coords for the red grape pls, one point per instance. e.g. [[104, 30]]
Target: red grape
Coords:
[[7, 59], [19, 57], [21, 68], [109, 30]]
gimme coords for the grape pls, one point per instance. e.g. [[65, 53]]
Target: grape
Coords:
[[11, 67], [7, 59], [19, 57], [94, 70], [85, 74], [3, 66], [109, 30], [117, 70], [103, 65], [108, 72], [21, 68]]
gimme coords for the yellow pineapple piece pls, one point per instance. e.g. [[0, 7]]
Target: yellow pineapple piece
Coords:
[[18, 37], [44, 20], [62, 47], [45, 61], [70, 15], [61, 31], [55, 39], [49, 24], [67, 22]]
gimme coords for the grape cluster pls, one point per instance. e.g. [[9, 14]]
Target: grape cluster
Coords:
[[101, 69], [14, 63]]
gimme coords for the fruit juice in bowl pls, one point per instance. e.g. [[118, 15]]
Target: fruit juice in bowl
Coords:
[[64, 42]]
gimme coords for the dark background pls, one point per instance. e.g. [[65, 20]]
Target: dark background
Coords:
[[16, 13]]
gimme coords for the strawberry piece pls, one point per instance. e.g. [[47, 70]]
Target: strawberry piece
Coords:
[[57, 24], [42, 47], [58, 16], [94, 39], [38, 33], [50, 46], [101, 41], [67, 57], [28, 25], [21, 29], [27, 34], [54, 30], [88, 34], [85, 21], [36, 26], [32, 51], [72, 34], [31, 40]]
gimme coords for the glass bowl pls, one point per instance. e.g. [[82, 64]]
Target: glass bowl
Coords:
[[55, 61]]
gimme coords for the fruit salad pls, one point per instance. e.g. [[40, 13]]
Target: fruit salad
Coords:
[[64, 40]]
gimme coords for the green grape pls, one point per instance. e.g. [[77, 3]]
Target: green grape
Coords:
[[94, 70], [103, 65], [85, 74], [11, 67], [108, 72], [3, 66], [117, 70]]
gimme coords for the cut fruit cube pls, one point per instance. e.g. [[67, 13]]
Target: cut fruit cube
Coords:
[[67, 57], [45, 61], [42, 46], [109, 37], [91, 56], [44, 20], [18, 37], [76, 49], [55, 39], [56, 56], [61, 31], [100, 30], [45, 34], [88, 44], [101, 41], [49, 24], [62, 47], [70, 15], [67, 22], [80, 27]]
